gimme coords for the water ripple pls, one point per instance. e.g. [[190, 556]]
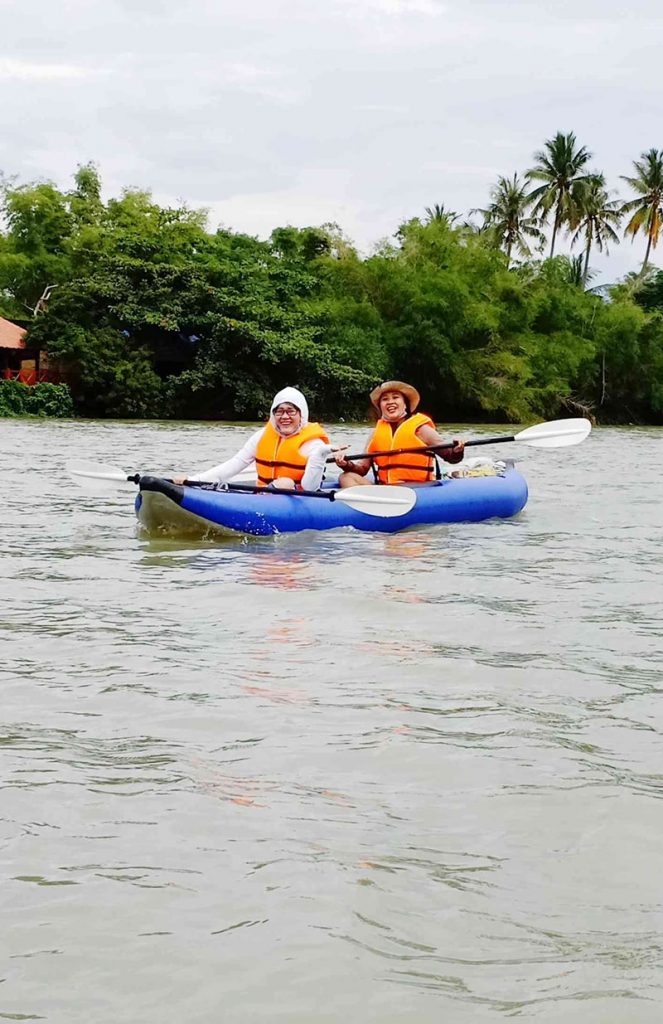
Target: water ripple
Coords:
[[417, 774]]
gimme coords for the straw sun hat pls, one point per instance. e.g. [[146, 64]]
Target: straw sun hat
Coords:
[[410, 394]]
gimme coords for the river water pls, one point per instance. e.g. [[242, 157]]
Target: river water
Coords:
[[320, 779]]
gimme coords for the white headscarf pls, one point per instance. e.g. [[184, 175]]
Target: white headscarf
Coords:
[[295, 398]]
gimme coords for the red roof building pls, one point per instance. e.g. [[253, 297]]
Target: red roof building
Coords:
[[11, 335], [18, 361]]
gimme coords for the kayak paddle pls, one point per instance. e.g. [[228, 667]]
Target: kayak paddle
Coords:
[[555, 434], [381, 501], [375, 500]]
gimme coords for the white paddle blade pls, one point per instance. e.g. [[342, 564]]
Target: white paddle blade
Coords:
[[556, 433], [97, 476], [384, 501]]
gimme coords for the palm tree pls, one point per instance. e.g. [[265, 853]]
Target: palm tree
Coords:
[[558, 165], [647, 209], [437, 214], [595, 216], [507, 218], [575, 271]]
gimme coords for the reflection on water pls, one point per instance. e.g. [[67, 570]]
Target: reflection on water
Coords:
[[282, 571], [416, 773]]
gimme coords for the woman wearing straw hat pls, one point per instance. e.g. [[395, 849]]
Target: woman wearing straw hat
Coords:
[[400, 426]]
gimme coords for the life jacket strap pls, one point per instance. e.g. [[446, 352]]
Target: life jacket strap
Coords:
[[276, 464]]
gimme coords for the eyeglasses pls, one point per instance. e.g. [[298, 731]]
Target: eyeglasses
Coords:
[[286, 410]]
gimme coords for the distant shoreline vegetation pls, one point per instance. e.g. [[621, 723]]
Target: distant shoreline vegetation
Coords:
[[147, 314], [40, 400]]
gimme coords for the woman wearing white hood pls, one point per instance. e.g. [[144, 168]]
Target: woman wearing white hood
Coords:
[[288, 451]]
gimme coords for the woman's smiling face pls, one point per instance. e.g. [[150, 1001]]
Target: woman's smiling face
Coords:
[[288, 419], [392, 406]]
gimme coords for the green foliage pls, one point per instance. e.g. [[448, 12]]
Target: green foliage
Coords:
[[111, 376], [508, 221], [595, 217], [646, 211], [560, 165], [650, 293], [438, 213], [34, 254], [150, 314], [18, 399], [631, 343]]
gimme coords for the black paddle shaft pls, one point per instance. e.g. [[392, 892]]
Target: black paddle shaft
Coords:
[[249, 488], [429, 448], [254, 489]]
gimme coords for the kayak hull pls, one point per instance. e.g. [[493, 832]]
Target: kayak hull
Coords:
[[163, 507]]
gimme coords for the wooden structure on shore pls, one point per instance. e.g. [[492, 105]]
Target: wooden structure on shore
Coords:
[[19, 361]]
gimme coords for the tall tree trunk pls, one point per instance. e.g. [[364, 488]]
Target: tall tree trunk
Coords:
[[554, 234], [646, 259], [586, 267]]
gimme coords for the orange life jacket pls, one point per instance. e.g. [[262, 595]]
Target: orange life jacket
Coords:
[[395, 469], [279, 456]]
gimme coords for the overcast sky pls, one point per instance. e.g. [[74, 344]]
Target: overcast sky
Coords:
[[363, 112]]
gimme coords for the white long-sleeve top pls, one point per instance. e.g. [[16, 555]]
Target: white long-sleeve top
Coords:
[[316, 453]]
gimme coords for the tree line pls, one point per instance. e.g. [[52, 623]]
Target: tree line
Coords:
[[150, 314]]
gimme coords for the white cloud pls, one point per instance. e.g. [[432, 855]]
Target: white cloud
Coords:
[[263, 81], [452, 168], [360, 111], [246, 74], [314, 197], [29, 71], [394, 7], [383, 108]]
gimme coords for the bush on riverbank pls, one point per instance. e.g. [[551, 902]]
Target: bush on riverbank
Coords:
[[154, 316], [18, 399]]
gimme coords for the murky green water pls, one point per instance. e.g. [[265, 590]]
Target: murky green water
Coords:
[[321, 779]]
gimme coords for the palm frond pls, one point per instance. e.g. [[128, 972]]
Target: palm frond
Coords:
[[647, 209]]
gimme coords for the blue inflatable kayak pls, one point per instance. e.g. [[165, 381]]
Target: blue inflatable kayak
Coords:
[[164, 507]]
